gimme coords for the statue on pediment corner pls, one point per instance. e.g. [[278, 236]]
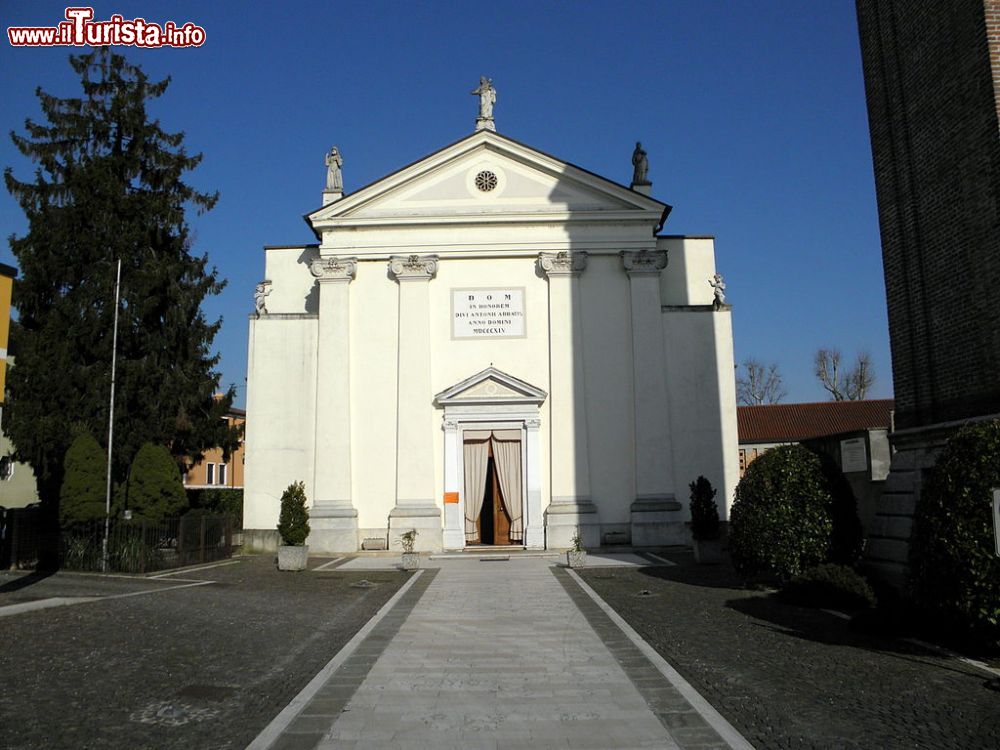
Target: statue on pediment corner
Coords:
[[719, 289], [259, 294], [640, 164]]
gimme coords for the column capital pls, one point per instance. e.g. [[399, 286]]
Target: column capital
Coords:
[[413, 267], [532, 424], [562, 263], [334, 269], [644, 262], [449, 425]]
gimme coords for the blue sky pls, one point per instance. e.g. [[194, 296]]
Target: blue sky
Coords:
[[752, 113]]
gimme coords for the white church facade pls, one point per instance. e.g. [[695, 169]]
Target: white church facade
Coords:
[[493, 347]]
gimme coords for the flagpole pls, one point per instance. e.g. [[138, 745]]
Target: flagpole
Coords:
[[111, 422]]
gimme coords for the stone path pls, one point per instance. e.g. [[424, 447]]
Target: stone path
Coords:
[[496, 655]]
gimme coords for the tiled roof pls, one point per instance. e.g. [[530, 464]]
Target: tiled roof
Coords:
[[793, 422]]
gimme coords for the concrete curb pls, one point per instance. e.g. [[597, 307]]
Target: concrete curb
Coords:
[[714, 719]]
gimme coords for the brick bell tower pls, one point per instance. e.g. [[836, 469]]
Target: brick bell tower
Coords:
[[931, 80]]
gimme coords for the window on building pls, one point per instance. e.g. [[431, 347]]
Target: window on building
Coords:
[[209, 473], [222, 473]]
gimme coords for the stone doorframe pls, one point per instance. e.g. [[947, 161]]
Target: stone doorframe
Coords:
[[491, 400]]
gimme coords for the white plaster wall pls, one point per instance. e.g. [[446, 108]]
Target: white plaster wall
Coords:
[[607, 345], [293, 287], [454, 360], [374, 323], [281, 390], [702, 392], [690, 265]]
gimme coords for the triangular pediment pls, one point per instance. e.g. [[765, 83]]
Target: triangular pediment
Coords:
[[491, 386], [487, 177]]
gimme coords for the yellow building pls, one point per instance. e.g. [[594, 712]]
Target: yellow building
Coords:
[[212, 472]]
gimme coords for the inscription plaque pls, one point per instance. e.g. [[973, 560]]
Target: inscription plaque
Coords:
[[487, 313]]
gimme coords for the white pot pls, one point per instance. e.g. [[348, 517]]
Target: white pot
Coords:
[[411, 561], [576, 558]]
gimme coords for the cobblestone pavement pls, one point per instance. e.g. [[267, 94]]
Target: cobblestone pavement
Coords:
[[497, 655], [196, 668], [791, 677]]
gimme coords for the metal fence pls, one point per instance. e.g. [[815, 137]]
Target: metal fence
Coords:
[[135, 546]]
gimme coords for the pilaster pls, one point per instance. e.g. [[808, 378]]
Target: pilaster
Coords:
[[415, 504], [333, 518], [654, 517], [454, 532], [571, 509], [534, 529]]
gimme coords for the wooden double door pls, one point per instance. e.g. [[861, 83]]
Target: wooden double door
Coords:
[[493, 524]]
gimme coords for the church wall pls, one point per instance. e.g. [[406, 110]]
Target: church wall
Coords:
[[453, 360], [293, 288], [690, 265], [374, 324], [607, 345], [281, 380], [702, 391]]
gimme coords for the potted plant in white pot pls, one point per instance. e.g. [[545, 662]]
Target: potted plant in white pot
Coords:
[[411, 560], [293, 526], [576, 557], [705, 523]]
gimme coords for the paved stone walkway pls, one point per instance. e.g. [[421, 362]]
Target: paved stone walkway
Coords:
[[496, 655]]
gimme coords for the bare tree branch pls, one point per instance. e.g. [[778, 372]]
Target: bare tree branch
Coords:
[[826, 365], [852, 385], [760, 384], [861, 378]]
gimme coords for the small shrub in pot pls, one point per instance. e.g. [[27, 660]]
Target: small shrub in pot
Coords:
[[293, 527], [705, 522]]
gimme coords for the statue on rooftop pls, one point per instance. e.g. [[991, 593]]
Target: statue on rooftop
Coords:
[[334, 179], [640, 164], [487, 98]]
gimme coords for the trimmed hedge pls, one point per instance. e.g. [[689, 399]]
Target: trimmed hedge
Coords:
[[829, 585], [218, 500], [154, 489], [83, 495], [954, 571], [780, 523]]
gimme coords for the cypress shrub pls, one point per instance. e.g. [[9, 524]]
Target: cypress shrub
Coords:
[[704, 511], [154, 489], [83, 494], [780, 522], [293, 523], [954, 571]]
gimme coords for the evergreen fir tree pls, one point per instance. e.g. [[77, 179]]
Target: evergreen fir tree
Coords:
[[109, 185], [293, 521], [83, 496], [155, 490]]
